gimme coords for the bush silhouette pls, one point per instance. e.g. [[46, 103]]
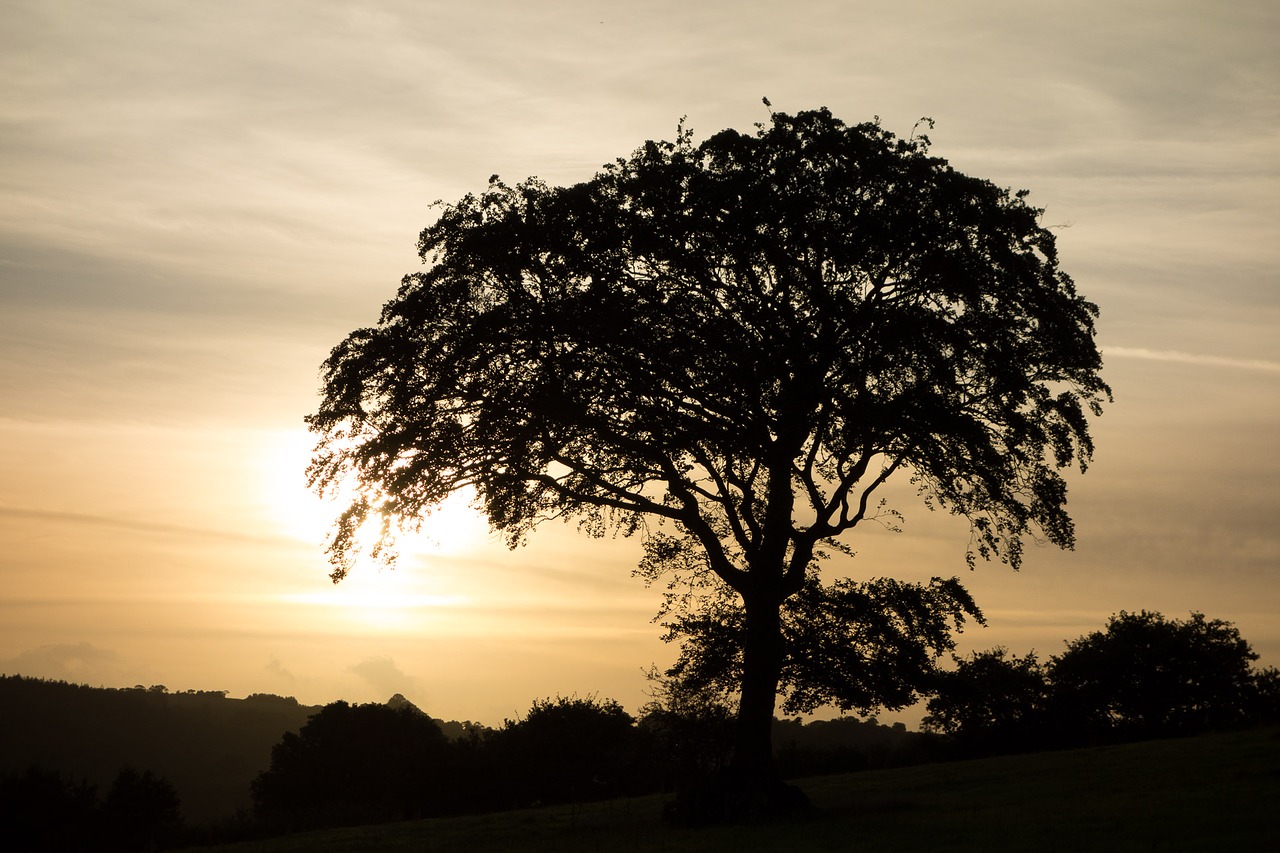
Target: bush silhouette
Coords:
[[1148, 676], [355, 764], [567, 750], [140, 811], [993, 701], [1141, 676], [42, 810]]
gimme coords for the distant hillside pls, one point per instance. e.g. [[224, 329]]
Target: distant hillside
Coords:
[[207, 746], [210, 747]]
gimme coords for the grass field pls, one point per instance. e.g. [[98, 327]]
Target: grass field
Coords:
[[1213, 793]]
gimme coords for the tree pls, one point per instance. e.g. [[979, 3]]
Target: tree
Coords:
[[689, 728], [992, 701], [43, 810], [356, 763], [1141, 676], [855, 646], [566, 750], [140, 809], [1148, 676], [743, 339]]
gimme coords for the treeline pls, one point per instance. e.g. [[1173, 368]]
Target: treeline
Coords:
[[207, 746], [87, 768], [44, 810], [1142, 676], [372, 763]]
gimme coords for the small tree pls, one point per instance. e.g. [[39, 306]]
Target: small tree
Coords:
[[992, 701], [744, 339], [568, 749], [855, 646], [43, 810], [356, 764], [690, 729], [140, 810]]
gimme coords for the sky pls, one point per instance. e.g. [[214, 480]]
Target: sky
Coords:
[[198, 200]]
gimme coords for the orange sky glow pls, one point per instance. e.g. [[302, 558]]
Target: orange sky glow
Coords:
[[198, 201]]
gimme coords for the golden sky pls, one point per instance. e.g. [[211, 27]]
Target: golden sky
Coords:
[[198, 200]]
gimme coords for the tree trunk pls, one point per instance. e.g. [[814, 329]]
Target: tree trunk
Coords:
[[762, 655], [750, 788]]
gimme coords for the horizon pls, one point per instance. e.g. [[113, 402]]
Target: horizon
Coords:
[[198, 206]]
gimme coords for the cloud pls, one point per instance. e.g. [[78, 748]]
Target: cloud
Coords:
[[278, 670], [132, 525], [75, 662], [384, 676], [1194, 358]]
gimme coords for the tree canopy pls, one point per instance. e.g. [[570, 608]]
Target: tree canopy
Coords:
[[855, 646], [1144, 675], [1141, 676], [353, 763], [744, 338]]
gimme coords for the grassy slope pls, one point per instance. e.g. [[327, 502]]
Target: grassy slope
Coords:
[[1212, 793]]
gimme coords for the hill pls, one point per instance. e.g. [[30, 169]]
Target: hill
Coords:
[[207, 746], [1211, 793]]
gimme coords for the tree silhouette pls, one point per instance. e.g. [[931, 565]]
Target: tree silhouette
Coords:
[[42, 810], [856, 646], [353, 764], [568, 749], [139, 810], [689, 728], [993, 701], [1147, 676], [1142, 676], [744, 339]]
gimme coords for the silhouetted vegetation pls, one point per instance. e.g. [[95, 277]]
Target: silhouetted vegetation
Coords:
[[207, 746], [855, 646], [741, 339], [1211, 793], [570, 750], [1142, 676], [42, 810], [373, 763], [356, 764]]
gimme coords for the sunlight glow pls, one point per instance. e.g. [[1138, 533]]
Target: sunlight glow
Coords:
[[454, 526], [378, 602]]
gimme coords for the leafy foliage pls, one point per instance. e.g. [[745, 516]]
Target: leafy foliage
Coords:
[[743, 339], [996, 700], [1141, 676], [689, 726], [44, 810], [1144, 675], [355, 763], [700, 329], [857, 646], [139, 808], [569, 749]]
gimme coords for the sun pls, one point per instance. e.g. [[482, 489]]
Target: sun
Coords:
[[453, 527]]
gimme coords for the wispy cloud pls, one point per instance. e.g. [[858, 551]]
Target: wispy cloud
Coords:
[[134, 526], [1194, 358], [76, 662]]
